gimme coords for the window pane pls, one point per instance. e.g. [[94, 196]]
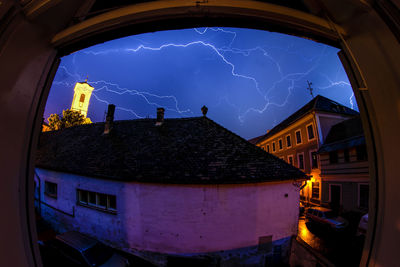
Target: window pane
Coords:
[[314, 161], [273, 147], [364, 194], [112, 202], [333, 157], [50, 189], [92, 198], [280, 144], [83, 196], [310, 131], [298, 137], [346, 155], [288, 141], [267, 148], [102, 200], [301, 161]]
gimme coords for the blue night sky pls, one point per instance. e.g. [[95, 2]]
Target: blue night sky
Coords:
[[249, 79]]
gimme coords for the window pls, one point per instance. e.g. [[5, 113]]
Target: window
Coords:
[[298, 137], [290, 159], [363, 194], [310, 132], [288, 141], [282, 158], [280, 144], [362, 152], [333, 157], [315, 190], [300, 159], [97, 200], [314, 160], [346, 155], [273, 147], [50, 189], [262, 147], [81, 100], [268, 148]]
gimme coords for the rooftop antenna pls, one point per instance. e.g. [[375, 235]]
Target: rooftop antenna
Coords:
[[87, 76], [310, 88]]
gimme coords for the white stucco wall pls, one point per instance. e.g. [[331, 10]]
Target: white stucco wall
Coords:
[[177, 218]]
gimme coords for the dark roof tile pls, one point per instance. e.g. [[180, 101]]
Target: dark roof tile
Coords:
[[186, 151]]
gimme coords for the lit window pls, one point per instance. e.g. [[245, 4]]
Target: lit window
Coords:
[[310, 132], [298, 137], [50, 189], [315, 190], [288, 141], [280, 144], [97, 200]]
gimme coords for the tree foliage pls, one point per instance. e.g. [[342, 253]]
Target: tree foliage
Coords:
[[69, 118]]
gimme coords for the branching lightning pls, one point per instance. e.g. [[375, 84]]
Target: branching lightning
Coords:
[[223, 53]]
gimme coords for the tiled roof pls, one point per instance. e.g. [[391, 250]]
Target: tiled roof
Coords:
[[346, 134], [187, 151], [254, 140], [318, 103]]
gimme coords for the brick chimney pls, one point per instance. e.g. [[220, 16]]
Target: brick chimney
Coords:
[[160, 116], [109, 119]]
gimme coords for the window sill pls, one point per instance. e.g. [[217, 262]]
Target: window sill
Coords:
[[97, 208]]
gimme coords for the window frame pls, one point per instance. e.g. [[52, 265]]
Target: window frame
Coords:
[[280, 144], [50, 194], [97, 206], [273, 146], [358, 195], [301, 138], [268, 148], [341, 192], [311, 159], [308, 136], [290, 139], [288, 161], [331, 161], [298, 161]]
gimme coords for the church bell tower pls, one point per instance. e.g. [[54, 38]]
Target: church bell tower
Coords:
[[82, 93]]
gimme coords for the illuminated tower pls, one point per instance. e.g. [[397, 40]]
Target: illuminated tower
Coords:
[[82, 93]]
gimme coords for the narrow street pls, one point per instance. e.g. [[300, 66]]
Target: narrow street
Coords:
[[342, 249]]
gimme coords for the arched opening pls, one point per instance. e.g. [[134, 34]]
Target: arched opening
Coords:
[[379, 110]]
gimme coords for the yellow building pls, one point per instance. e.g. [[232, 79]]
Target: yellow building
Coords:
[[82, 93], [297, 139]]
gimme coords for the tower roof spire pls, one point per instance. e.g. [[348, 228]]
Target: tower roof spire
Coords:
[[87, 76]]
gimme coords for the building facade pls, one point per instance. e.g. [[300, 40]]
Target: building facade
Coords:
[[344, 167], [298, 138], [173, 186]]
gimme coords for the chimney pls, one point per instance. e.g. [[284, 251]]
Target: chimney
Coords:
[[268, 131], [109, 119], [160, 116], [204, 110]]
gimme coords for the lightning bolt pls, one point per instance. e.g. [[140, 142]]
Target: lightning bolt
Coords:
[[224, 54]]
